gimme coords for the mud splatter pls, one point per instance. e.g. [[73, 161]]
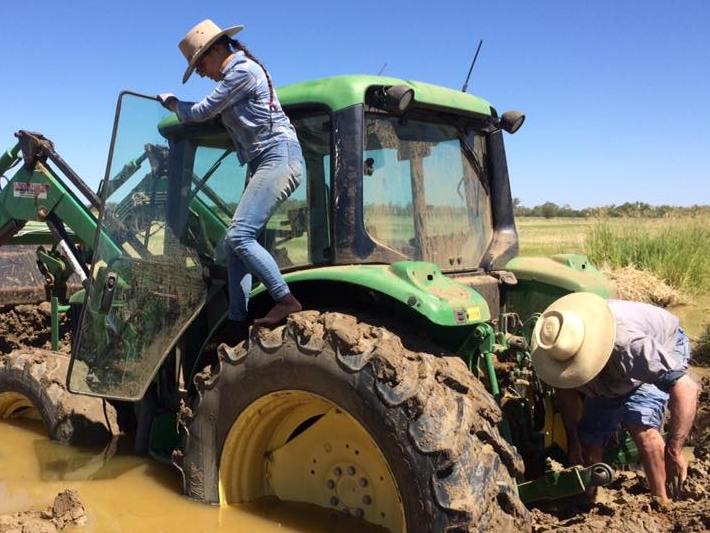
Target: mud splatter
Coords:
[[66, 510], [624, 506]]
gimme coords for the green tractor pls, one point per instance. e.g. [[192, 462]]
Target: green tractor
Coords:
[[404, 394]]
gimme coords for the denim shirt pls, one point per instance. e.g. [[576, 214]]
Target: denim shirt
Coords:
[[647, 349], [243, 99]]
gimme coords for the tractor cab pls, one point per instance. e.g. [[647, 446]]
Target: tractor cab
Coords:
[[390, 175]]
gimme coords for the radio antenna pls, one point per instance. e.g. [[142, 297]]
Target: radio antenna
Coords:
[[465, 84], [382, 69]]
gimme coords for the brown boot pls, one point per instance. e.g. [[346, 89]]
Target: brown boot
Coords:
[[284, 307]]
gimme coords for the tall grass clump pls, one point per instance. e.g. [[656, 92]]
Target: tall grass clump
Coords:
[[677, 251]]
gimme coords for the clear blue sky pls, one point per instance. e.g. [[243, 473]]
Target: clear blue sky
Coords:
[[616, 93]]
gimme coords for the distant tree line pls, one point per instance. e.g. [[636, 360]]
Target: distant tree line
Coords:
[[627, 209]]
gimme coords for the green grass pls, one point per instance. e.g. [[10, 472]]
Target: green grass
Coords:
[[549, 236], [678, 251]]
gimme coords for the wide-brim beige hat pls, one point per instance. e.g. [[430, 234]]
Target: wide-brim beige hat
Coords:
[[199, 39], [573, 340]]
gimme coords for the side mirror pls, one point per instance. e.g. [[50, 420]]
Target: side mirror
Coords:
[[511, 121]]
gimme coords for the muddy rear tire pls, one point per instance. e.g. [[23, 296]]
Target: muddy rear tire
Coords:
[[432, 420], [32, 385]]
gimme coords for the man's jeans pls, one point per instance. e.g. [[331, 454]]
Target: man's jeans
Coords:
[[274, 175], [645, 406]]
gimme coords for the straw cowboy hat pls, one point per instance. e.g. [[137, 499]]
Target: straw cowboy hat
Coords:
[[199, 39], [573, 340]]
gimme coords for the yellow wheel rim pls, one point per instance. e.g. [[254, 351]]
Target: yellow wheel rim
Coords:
[[16, 405], [300, 447]]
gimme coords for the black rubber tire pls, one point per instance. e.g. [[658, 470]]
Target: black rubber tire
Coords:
[[40, 376], [433, 420]]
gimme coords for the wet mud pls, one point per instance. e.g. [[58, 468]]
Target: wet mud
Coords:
[[625, 506], [66, 509], [22, 282], [40, 376], [125, 493], [30, 326], [33, 470], [27, 365]]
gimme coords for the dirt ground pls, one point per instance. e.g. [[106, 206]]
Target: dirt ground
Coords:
[[66, 510], [29, 326], [623, 506]]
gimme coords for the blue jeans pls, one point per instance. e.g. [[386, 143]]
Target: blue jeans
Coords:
[[273, 175], [645, 406]]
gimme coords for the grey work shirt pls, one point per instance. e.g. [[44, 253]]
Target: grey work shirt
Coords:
[[644, 351], [253, 120]]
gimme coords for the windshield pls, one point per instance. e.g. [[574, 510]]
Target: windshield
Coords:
[[425, 191]]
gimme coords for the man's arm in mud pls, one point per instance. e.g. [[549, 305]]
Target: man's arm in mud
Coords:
[[568, 404], [683, 404]]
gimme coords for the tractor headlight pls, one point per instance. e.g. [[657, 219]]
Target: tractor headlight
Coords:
[[395, 99]]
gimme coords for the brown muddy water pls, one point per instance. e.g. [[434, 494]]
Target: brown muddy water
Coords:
[[125, 493], [695, 315]]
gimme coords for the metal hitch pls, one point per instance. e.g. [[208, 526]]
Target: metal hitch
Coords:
[[568, 482]]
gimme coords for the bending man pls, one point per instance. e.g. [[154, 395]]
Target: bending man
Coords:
[[628, 360]]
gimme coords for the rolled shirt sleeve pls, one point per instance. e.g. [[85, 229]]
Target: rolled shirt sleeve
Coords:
[[651, 362], [237, 84], [649, 347]]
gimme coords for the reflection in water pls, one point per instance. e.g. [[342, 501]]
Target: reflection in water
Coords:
[[58, 463], [125, 493]]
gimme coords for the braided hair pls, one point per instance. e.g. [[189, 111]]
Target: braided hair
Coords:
[[237, 46]]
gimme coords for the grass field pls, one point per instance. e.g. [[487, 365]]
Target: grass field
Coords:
[[547, 236], [677, 250]]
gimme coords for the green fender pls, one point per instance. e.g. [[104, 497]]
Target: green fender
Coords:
[[417, 284], [541, 280]]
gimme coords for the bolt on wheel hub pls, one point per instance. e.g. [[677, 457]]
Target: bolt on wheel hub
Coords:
[[349, 489]]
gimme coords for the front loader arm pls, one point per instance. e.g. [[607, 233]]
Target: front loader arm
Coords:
[[37, 193], [9, 159]]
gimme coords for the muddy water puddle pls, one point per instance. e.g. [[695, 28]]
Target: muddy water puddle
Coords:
[[695, 315], [126, 493]]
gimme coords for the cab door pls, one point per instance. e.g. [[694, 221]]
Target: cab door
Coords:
[[146, 282]]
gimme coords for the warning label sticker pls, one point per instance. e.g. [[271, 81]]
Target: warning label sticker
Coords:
[[30, 190]]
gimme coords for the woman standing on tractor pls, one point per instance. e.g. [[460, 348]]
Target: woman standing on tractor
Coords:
[[264, 140]]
